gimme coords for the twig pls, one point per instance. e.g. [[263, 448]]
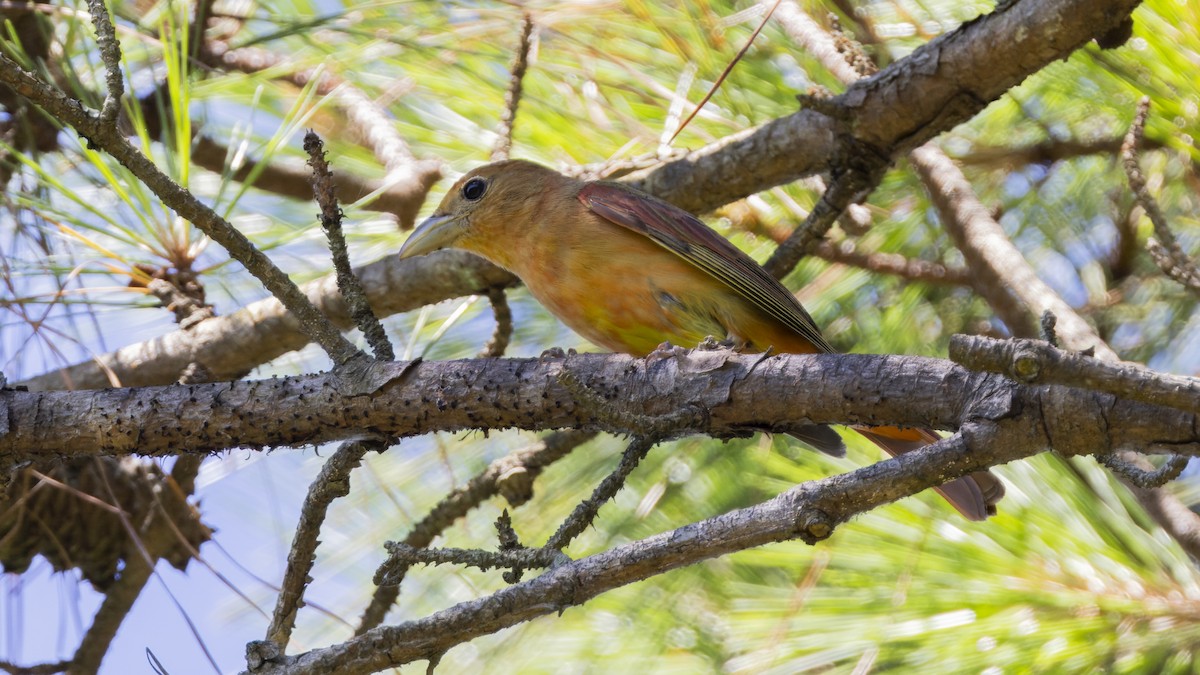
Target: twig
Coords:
[[850, 187], [331, 223], [509, 541], [583, 515], [512, 98], [403, 556], [333, 482], [1047, 333], [511, 476], [179, 292], [504, 323], [725, 73], [1144, 478], [1035, 362], [892, 264], [110, 54], [821, 504], [183, 202], [1166, 252]]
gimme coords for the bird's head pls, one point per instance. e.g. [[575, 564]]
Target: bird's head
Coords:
[[483, 207]]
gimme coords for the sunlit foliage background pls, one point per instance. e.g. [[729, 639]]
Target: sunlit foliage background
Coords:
[[1071, 576]]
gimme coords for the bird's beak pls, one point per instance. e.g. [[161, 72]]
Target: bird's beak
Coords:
[[436, 233]]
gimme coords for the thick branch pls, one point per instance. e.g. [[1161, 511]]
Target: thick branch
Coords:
[[938, 86], [736, 392], [230, 346]]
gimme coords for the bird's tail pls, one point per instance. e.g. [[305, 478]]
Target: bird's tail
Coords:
[[974, 496]]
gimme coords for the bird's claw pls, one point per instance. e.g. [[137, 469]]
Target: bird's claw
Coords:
[[712, 344], [555, 353], [664, 351]]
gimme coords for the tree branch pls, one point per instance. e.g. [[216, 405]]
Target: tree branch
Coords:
[[809, 512], [1034, 361], [739, 165], [734, 392], [941, 84], [108, 138]]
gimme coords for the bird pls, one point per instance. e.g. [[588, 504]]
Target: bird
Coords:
[[629, 272]]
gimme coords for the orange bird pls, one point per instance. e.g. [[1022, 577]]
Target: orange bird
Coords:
[[629, 271]]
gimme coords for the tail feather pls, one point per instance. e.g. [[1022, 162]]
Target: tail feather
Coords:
[[822, 437], [974, 495]]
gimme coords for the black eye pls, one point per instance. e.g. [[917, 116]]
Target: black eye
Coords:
[[474, 189]]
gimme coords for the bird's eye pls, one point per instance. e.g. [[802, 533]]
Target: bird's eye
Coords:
[[474, 189]]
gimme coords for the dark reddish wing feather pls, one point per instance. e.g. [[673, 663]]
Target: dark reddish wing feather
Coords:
[[686, 236]]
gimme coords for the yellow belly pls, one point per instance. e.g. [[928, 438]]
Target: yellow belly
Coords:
[[625, 293]]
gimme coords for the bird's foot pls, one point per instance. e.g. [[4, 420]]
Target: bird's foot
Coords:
[[664, 351], [555, 353], [712, 344]]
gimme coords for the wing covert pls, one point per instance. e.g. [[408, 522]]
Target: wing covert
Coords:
[[686, 236]]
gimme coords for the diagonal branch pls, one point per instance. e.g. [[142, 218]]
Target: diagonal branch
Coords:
[[108, 138], [1166, 252], [510, 476], [808, 512]]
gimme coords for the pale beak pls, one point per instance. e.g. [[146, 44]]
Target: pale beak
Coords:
[[435, 234]]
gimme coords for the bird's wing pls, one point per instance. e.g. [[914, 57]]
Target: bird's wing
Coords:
[[686, 236]]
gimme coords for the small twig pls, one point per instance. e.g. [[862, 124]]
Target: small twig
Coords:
[[511, 476], [68, 110], [1166, 252], [512, 99], [1034, 361], [402, 556], [892, 264], [725, 73], [586, 511], [179, 292], [851, 50], [851, 187], [1047, 328], [1144, 478], [509, 541], [331, 222], [110, 54], [504, 325], [505, 532], [333, 482]]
